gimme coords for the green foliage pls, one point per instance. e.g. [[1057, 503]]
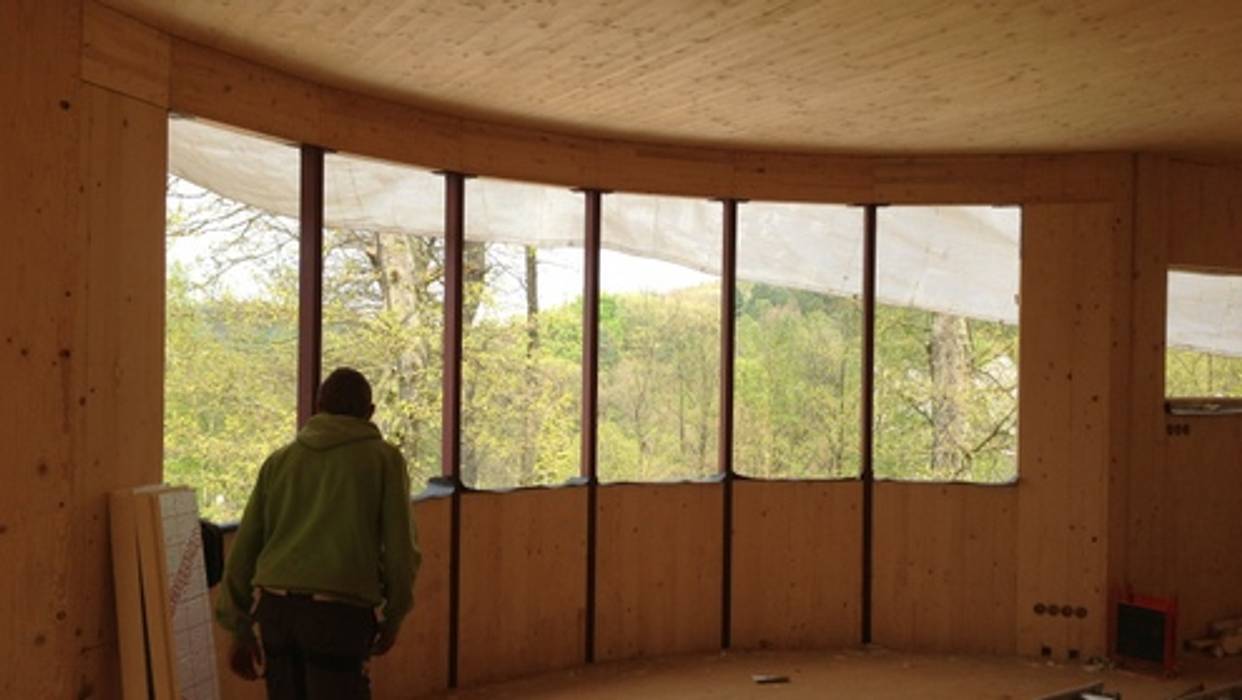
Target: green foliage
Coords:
[[229, 391], [796, 384], [658, 385], [520, 409], [1195, 374]]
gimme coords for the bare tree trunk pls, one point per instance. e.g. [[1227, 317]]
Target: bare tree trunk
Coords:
[[404, 268], [530, 420], [474, 276], [950, 370]]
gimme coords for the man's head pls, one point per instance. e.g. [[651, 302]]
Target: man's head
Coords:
[[346, 392]]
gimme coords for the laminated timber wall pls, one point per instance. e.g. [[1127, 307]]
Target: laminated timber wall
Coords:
[[946, 567], [81, 344], [796, 564], [1185, 489], [82, 335], [523, 583]]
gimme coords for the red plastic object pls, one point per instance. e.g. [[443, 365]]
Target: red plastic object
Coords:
[[1166, 608]]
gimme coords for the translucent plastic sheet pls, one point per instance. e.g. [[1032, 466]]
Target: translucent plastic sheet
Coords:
[[954, 274]]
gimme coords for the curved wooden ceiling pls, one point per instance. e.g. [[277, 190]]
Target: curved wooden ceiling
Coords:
[[876, 76]]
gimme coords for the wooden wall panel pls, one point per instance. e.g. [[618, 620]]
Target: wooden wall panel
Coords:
[[1074, 319], [1183, 491], [81, 174], [523, 583], [1205, 225], [1206, 532], [42, 297], [125, 146], [1203, 469], [121, 54], [214, 85], [945, 567], [1044, 454], [658, 570], [796, 553], [1145, 557], [418, 664]]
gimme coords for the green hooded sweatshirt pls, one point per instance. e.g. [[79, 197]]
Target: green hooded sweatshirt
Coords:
[[330, 514]]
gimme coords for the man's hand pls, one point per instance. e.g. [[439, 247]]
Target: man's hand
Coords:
[[384, 641], [244, 658]]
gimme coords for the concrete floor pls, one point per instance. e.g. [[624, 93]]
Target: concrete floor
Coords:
[[853, 673]]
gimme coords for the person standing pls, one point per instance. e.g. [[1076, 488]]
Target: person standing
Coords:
[[325, 556]]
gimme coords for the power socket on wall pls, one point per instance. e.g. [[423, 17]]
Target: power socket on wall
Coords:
[[1177, 429], [1065, 610]]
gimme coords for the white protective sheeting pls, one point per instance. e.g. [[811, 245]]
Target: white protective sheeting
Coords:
[[959, 260], [1205, 312]]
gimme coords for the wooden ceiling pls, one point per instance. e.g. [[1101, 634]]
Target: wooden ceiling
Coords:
[[875, 76]]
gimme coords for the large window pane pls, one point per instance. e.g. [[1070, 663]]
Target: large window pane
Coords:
[[798, 345], [1204, 330], [522, 335], [230, 381], [383, 296], [946, 368], [659, 338]]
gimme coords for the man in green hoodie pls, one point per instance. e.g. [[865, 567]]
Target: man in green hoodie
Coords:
[[327, 547]]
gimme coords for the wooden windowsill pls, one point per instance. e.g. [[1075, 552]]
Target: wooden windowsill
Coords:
[[1203, 406]]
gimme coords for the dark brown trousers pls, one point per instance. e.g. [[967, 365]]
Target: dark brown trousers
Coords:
[[315, 649]]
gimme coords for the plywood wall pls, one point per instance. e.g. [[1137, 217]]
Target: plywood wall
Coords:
[[1205, 503], [797, 548], [81, 332], [945, 567], [523, 583], [1147, 548], [1074, 349], [659, 570], [1183, 491], [418, 664]]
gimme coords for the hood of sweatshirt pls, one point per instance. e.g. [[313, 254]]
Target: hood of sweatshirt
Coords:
[[327, 430]]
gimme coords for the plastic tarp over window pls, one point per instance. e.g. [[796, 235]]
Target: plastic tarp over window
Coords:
[[929, 275]]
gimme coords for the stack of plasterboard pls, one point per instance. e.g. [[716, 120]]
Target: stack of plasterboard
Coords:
[[163, 611]]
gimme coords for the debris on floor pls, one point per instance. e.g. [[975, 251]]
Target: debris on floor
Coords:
[[765, 678], [1227, 692], [1096, 664], [1094, 691], [1225, 638]]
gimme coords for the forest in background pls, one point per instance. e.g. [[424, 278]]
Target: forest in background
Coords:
[[946, 386]]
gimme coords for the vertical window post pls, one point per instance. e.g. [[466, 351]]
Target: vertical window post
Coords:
[[590, 336], [310, 281], [590, 397], [867, 412], [728, 324], [450, 417], [454, 243]]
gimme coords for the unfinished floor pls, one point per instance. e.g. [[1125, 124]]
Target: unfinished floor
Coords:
[[874, 674]]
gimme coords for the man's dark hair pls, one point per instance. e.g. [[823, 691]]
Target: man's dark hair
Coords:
[[345, 392]]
